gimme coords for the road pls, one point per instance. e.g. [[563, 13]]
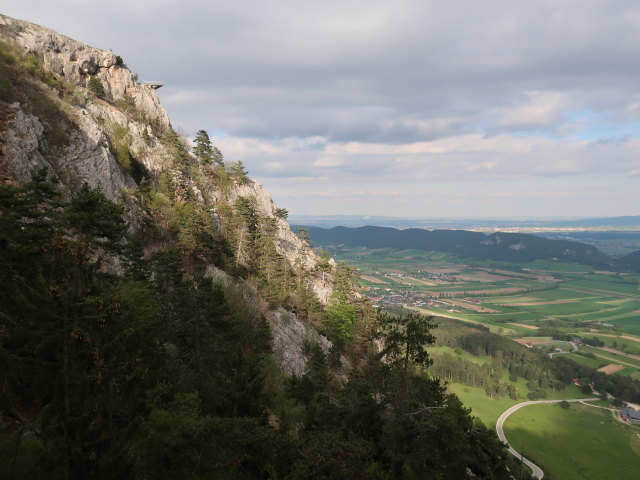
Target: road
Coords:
[[537, 471]]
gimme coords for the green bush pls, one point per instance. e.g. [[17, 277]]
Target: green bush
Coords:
[[95, 86], [6, 55]]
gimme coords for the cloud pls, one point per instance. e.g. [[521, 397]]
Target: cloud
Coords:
[[373, 92], [328, 162], [540, 110]]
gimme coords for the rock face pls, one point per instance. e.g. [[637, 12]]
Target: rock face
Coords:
[[288, 243], [289, 336], [77, 63], [88, 155]]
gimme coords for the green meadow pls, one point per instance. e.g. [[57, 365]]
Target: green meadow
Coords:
[[575, 443], [489, 409]]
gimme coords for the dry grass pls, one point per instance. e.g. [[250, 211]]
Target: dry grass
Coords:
[[611, 368], [533, 341], [470, 306], [549, 302], [373, 279], [483, 277], [524, 325]]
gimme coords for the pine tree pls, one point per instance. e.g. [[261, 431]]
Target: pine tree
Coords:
[[96, 87], [203, 150]]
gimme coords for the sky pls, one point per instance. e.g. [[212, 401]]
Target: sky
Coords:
[[412, 108]]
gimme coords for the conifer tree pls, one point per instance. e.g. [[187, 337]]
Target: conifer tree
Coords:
[[203, 150]]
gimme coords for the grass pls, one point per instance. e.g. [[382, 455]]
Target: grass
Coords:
[[589, 297], [623, 344], [489, 409], [486, 409], [587, 361], [612, 357], [578, 443], [630, 324]]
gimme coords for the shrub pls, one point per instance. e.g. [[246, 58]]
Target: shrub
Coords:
[[95, 86], [6, 55], [127, 104], [120, 140], [282, 213]]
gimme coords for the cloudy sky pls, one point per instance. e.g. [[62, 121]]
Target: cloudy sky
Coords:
[[493, 108]]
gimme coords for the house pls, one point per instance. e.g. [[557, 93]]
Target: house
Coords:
[[630, 415], [528, 345]]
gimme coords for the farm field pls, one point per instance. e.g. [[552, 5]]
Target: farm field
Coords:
[[528, 303], [575, 443], [501, 294]]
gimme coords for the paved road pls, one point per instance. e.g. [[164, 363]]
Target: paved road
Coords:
[[537, 471]]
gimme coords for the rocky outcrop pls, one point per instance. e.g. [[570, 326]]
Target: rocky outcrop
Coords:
[[290, 338], [288, 243], [20, 140], [89, 155], [77, 62]]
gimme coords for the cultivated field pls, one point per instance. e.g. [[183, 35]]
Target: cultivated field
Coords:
[[516, 300]]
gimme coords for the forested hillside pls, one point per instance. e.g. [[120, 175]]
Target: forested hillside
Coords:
[[158, 319], [506, 358], [465, 244]]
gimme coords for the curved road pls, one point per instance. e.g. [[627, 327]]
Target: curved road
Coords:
[[537, 471]]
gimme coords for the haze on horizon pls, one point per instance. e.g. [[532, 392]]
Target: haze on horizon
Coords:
[[412, 108]]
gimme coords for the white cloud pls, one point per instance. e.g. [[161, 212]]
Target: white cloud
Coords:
[[328, 162], [399, 96], [540, 110]]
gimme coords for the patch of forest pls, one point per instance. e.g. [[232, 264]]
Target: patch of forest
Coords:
[[508, 359], [121, 363]]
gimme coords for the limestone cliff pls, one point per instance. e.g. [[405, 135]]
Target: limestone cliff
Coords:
[[85, 139]]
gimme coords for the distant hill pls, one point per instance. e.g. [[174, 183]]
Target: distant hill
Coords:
[[329, 221], [630, 262], [497, 246], [626, 221]]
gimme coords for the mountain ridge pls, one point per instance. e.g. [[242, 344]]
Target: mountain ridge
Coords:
[[469, 244]]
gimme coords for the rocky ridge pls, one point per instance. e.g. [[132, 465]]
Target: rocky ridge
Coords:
[[87, 155]]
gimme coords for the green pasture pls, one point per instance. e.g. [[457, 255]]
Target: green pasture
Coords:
[[630, 324], [486, 409], [564, 308], [587, 361], [613, 310], [533, 266], [630, 371], [577, 443], [613, 357], [603, 283], [558, 294], [489, 409], [623, 344]]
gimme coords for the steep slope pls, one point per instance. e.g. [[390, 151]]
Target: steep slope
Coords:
[[51, 119], [159, 319], [466, 244]]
